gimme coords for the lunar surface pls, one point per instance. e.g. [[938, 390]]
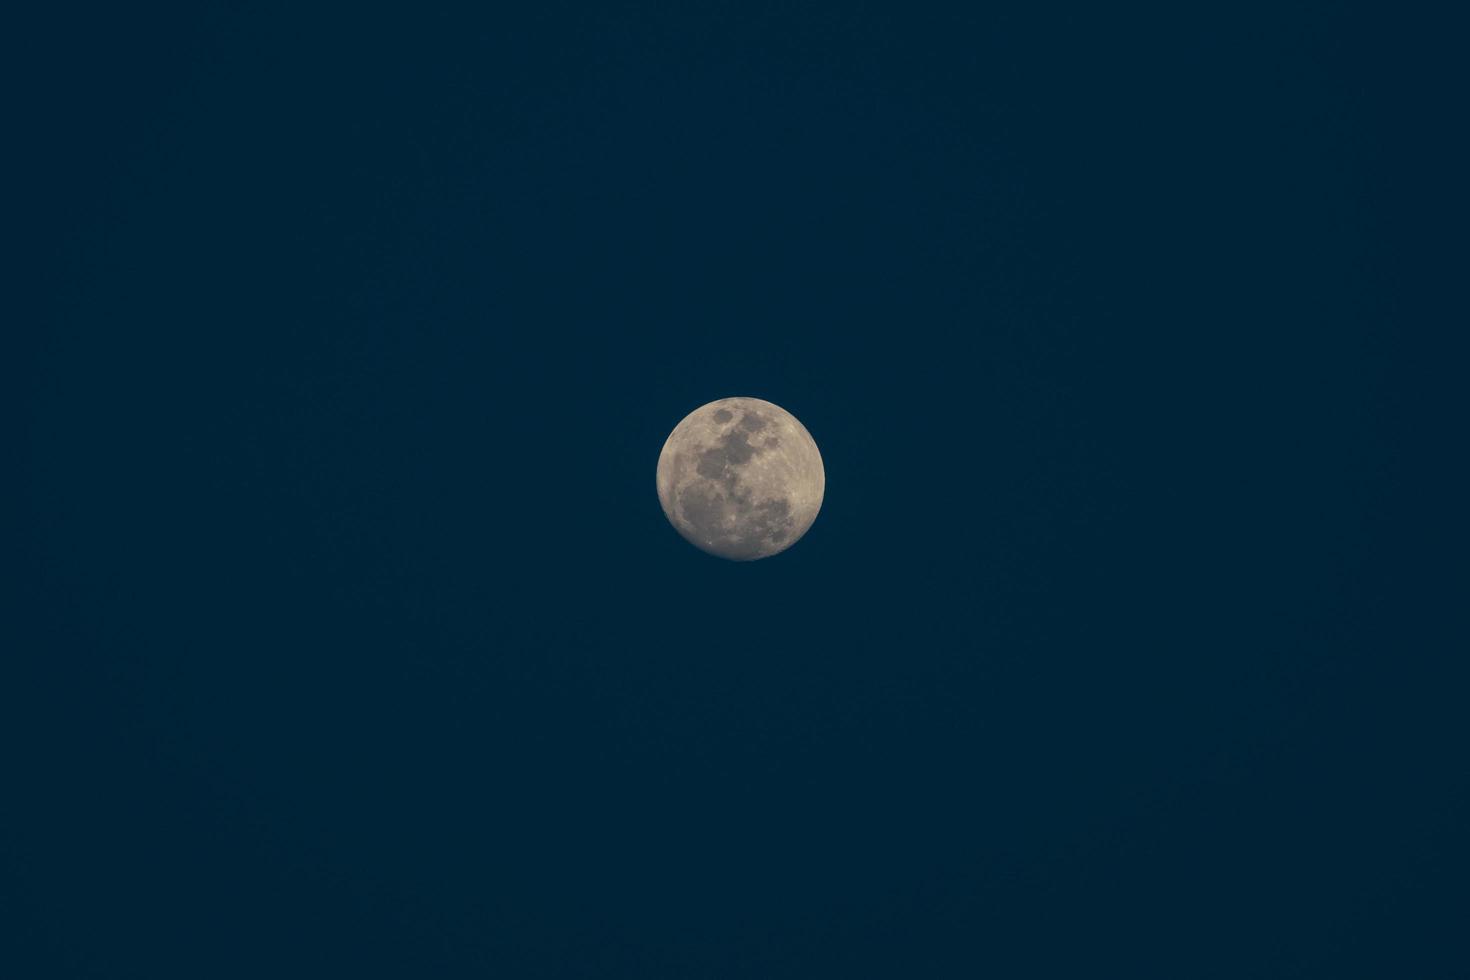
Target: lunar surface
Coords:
[[741, 478]]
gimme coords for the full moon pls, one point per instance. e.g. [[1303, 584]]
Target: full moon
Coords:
[[741, 478]]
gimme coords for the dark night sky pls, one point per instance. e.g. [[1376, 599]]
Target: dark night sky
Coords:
[[353, 641]]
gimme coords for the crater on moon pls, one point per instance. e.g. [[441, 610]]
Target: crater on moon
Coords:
[[735, 498]]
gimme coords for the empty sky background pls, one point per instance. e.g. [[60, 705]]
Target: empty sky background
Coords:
[[353, 642]]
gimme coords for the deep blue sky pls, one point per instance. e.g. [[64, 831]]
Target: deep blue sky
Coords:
[[354, 642]]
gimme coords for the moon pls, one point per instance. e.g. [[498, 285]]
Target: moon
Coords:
[[741, 478]]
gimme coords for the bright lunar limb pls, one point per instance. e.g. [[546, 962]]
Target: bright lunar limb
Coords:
[[741, 478]]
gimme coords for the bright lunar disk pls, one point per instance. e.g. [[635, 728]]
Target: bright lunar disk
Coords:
[[741, 478]]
